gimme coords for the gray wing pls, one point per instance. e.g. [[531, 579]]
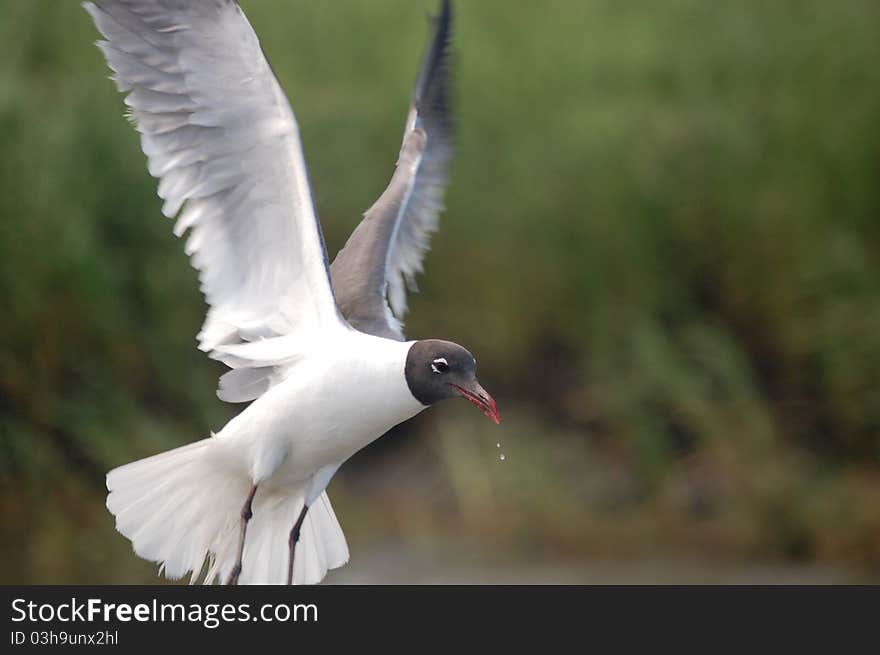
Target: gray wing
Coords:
[[379, 262], [220, 135]]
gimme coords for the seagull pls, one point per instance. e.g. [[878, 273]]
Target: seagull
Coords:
[[316, 350]]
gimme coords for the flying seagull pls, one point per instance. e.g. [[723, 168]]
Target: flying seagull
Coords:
[[317, 350]]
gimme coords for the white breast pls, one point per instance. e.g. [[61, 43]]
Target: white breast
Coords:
[[346, 393]]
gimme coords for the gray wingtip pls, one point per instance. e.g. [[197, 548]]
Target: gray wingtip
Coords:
[[432, 86]]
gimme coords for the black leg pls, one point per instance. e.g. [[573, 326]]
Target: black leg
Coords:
[[246, 514], [294, 537]]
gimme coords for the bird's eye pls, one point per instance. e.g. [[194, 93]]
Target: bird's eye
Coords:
[[440, 365]]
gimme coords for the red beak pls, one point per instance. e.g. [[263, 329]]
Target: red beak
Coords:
[[481, 398]]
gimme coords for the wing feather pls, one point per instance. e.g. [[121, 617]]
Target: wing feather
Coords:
[[383, 256], [221, 137]]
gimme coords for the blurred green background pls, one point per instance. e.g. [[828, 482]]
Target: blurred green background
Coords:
[[662, 243]]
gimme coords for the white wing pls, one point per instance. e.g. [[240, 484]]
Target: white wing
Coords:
[[221, 136]]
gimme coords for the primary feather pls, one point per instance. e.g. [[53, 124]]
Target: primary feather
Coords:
[[221, 137], [384, 254]]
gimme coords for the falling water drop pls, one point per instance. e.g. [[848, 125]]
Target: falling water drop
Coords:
[[498, 445], [502, 457]]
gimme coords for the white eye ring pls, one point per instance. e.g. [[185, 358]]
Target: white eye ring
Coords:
[[440, 365]]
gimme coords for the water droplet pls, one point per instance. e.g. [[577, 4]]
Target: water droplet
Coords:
[[498, 445], [502, 457]]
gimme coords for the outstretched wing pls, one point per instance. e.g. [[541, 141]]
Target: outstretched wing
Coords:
[[220, 135], [379, 262]]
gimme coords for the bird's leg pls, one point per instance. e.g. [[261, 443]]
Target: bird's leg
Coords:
[[246, 514], [294, 537]]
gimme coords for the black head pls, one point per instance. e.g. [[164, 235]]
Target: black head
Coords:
[[436, 370]]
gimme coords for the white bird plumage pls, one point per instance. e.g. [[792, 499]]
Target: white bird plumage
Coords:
[[222, 138]]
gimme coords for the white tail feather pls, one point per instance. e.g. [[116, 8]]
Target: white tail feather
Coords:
[[183, 507]]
